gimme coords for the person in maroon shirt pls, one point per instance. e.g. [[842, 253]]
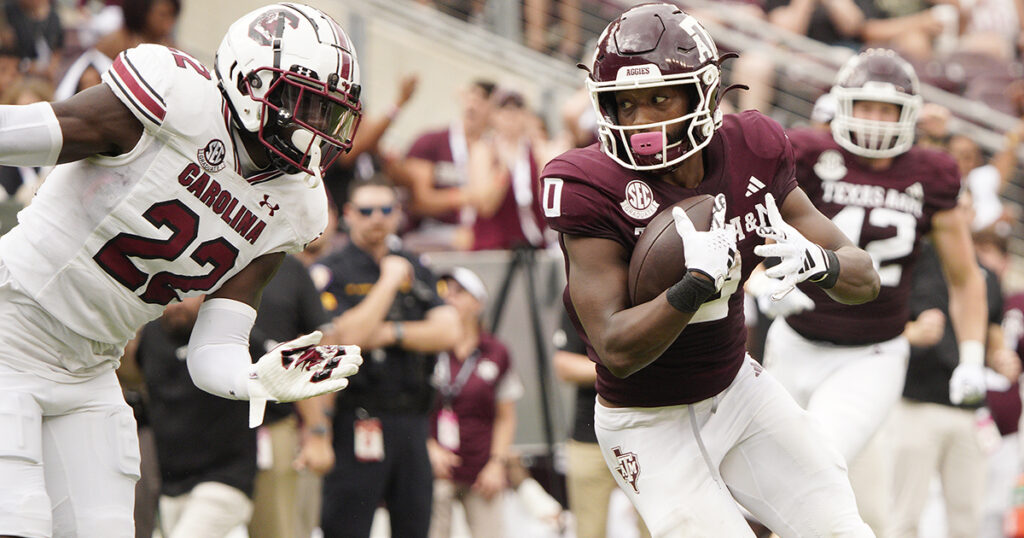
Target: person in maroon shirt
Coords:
[[436, 173], [846, 364], [475, 421], [509, 214], [686, 421]]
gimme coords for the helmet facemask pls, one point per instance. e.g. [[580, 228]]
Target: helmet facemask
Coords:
[[651, 146], [881, 76], [306, 122], [290, 76], [873, 138]]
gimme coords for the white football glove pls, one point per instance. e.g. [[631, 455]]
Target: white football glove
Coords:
[[299, 369], [967, 385], [763, 287], [712, 252], [801, 259]]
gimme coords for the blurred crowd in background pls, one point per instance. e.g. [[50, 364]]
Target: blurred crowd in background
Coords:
[[471, 185]]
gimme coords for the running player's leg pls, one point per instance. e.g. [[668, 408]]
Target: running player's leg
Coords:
[[91, 460], [657, 460], [782, 468]]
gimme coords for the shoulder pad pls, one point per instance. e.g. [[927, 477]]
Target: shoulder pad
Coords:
[[165, 88]]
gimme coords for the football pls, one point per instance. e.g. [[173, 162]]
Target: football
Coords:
[[657, 260]]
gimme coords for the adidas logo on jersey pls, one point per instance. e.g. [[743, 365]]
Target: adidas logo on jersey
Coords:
[[754, 186]]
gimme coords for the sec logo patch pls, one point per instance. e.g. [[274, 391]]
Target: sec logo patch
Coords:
[[639, 202], [211, 157]]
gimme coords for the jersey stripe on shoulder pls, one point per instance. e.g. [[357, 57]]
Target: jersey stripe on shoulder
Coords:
[[147, 101]]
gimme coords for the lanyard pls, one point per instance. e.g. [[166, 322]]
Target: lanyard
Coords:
[[451, 389]]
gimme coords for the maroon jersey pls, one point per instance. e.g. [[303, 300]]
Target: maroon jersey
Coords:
[[519, 220], [475, 405], [588, 194], [883, 212], [436, 147]]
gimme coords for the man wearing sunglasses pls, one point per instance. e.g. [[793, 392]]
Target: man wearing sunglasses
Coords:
[[385, 301], [173, 181]]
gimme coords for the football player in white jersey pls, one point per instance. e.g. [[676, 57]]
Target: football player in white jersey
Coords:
[[172, 181]]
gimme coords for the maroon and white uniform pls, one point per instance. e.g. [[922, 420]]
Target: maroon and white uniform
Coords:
[[883, 212], [846, 364], [693, 424], [587, 194]]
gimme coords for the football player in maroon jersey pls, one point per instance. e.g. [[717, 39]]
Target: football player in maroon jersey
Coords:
[[846, 364], [688, 423]]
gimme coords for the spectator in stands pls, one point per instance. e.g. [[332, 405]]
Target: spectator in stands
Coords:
[[387, 303], [912, 28], [986, 181], [588, 480], [991, 27], [934, 434], [474, 422], [144, 21], [436, 172], [207, 454], [32, 30], [833, 22], [539, 36], [503, 186], [287, 495]]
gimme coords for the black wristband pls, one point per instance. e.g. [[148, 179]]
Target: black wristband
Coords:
[[689, 293], [829, 278]]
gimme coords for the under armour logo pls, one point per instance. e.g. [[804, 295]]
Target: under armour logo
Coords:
[[270, 207]]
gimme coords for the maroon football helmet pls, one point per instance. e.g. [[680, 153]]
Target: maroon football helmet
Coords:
[[654, 45], [876, 75]]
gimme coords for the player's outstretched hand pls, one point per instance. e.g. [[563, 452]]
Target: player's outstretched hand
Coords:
[[801, 259], [299, 369], [763, 288], [713, 252]]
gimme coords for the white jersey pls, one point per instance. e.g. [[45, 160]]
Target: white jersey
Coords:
[[109, 241]]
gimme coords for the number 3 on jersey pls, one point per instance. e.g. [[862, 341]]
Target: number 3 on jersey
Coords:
[[851, 221], [114, 256]]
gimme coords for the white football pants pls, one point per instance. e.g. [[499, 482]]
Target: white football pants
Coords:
[[850, 390], [679, 464], [69, 450]]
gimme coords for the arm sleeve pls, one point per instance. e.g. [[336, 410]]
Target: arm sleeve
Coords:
[[30, 135], [218, 349]]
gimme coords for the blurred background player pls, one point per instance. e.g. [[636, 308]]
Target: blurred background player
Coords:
[[846, 363]]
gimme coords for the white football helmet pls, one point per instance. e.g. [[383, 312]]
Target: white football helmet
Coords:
[[291, 76], [876, 75]]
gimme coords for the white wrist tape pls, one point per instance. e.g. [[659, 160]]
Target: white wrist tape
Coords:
[[972, 352], [218, 350], [30, 135]]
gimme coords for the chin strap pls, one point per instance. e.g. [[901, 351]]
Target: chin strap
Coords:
[[305, 139]]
